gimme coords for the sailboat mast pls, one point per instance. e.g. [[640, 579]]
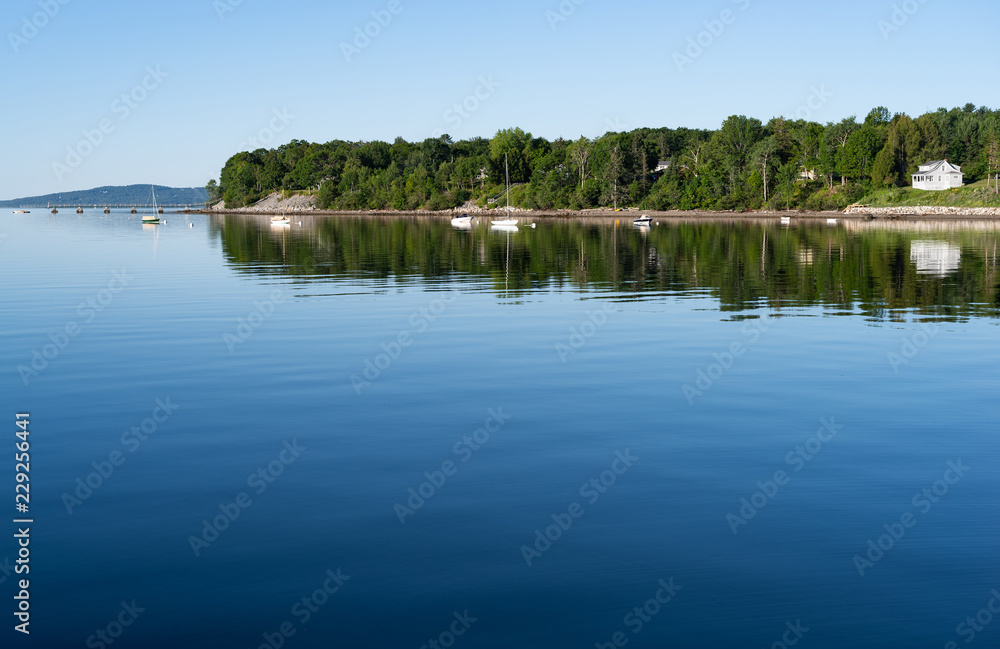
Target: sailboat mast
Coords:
[[506, 170]]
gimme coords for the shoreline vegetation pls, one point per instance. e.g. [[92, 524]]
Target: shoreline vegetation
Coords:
[[743, 167]]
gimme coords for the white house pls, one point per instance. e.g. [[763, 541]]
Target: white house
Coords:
[[937, 175]]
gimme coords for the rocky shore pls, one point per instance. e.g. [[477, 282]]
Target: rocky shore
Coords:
[[922, 210], [298, 204], [307, 205]]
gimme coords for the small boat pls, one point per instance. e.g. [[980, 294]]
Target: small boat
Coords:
[[465, 219], [79, 210], [151, 219], [507, 222], [786, 220], [642, 220], [281, 221], [22, 211]]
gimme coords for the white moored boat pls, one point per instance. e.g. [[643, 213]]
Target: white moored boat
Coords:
[[507, 222], [281, 221], [154, 218]]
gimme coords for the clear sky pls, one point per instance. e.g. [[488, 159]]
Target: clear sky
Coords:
[[228, 75]]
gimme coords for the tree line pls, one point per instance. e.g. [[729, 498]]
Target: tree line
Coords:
[[744, 165]]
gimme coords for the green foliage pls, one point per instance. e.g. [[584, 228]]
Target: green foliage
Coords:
[[879, 116], [745, 165], [212, 189], [975, 195]]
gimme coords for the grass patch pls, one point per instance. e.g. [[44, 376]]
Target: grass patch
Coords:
[[973, 195]]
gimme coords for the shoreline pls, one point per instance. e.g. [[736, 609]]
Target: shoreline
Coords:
[[854, 213], [303, 205]]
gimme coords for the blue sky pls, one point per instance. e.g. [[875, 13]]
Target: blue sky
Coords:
[[222, 75]]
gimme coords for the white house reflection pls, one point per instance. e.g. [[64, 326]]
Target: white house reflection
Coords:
[[935, 258]]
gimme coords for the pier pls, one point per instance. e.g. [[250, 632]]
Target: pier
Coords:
[[80, 209]]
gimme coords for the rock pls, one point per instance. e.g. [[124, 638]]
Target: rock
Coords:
[[923, 210], [272, 205]]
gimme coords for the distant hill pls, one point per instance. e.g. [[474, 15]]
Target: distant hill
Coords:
[[112, 196]]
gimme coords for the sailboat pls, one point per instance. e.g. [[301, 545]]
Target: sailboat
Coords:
[[281, 221], [154, 218], [508, 222]]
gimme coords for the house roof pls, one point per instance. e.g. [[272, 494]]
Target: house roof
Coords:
[[942, 166]]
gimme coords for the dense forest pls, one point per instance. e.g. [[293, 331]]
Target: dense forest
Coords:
[[744, 165]]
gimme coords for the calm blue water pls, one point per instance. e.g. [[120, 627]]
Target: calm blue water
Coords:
[[592, 343]]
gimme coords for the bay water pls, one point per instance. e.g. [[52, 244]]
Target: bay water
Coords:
[[386, 431]]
